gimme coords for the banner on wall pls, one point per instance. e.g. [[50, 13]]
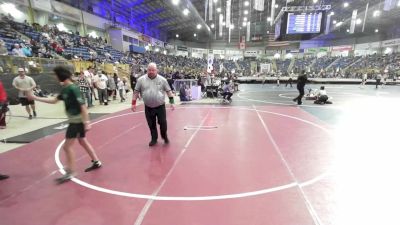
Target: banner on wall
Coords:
[[199, 50], [265, 67], [210, 10], [353, 21], [295, 51], [248, 27], [368, 45], [242, 43], [250, 53], [168, 46], [392, 42], [210, 63], [316, 50], [228, 14], [215, 51], [342, 48], [182, 48], [259, 5]]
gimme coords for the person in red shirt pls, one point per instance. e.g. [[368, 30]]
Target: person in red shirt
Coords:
[[3, 106]]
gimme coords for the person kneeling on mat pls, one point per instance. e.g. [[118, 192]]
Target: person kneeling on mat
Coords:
[[322, 97], [227, 93], [184, 93]]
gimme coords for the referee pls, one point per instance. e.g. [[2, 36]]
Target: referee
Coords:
[[152, 89]]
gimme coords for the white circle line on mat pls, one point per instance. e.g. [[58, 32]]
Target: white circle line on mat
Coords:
[[195, 198]]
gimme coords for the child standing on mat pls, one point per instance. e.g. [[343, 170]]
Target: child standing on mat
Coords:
[[78, 119]]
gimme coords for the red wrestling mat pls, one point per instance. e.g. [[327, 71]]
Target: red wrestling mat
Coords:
[[225, 165]]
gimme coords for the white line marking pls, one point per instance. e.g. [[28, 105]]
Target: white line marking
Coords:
[[197, 198], [291, 104], [149, 202], [309, 206], [200, 127]]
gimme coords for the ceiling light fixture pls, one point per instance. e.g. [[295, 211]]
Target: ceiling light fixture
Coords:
[[175, 2]]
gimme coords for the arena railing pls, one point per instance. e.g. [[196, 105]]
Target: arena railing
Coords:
[[9, 64]]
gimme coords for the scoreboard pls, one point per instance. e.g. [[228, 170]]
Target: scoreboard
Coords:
[[301, 25], [304, 23]]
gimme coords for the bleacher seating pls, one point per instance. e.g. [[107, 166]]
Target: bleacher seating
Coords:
[[49, 40]]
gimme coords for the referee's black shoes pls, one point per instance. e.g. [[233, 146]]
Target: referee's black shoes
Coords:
[[152, 143], [3, 177]]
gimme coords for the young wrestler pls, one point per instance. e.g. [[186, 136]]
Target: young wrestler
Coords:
[[78, 119]]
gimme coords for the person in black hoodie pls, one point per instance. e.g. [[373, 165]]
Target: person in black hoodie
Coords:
[[301, 82]]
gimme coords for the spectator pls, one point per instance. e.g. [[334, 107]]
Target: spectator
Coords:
[[17, 51], [3, 48]]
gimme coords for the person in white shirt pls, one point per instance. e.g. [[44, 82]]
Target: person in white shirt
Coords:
[[278, 77], [89, 74], [364, 79], [384, 77], [25, 84], [264, 78], [290, 80], [322, 97], [101, 84], [17, 51], [153, 88], [121, 89]]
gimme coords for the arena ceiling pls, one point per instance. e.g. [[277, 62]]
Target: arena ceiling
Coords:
[[170, 18]]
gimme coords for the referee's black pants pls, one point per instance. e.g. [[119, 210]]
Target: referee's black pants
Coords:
[[300, 88], [160, 114]]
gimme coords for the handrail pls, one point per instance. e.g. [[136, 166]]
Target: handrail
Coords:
[[10, 64]]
